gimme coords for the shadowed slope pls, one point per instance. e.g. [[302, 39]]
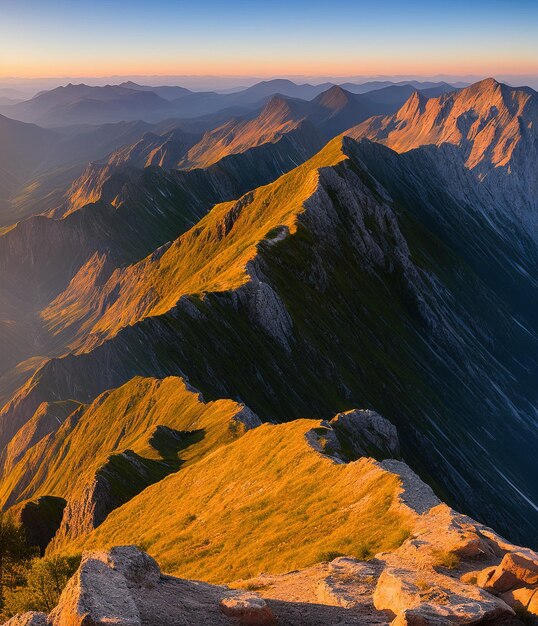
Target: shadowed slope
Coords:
[[494, 128]]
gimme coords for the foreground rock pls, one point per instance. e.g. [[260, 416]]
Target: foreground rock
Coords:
[[430, 580]]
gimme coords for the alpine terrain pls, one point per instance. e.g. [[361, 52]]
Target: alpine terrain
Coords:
[[269, 355]]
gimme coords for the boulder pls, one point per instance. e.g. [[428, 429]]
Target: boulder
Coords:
[[96, 595], [138, 568], [420, 598], [524, 598], [32, 618], [366, 433], [349, 583], [247, 608], [517, 569]]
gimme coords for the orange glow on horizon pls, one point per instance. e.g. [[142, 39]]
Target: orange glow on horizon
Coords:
[[267, 68]]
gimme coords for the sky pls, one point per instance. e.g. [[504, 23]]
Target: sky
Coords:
[[267, 38]]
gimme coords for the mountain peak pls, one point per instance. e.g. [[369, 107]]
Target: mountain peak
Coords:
[[334, 98], [487, 83], [413, 106]]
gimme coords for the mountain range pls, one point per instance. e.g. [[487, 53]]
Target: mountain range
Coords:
[[209, 301]]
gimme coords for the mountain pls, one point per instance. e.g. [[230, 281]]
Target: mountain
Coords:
[[493, 127], [166, 150], [375, 85], [278, 342], [96, 228], [302, 124], [24, 146], [170, 93], [82, 104], [329, 259], [280, 120], [268, 88]]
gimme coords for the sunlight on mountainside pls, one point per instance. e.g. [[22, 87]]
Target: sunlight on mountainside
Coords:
[[267, 502]]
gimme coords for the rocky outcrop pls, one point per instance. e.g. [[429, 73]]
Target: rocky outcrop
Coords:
[[366, 433], [124, 586], [430, 580]]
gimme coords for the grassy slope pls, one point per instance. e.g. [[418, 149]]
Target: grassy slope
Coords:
[[267, 502], [124, 419]]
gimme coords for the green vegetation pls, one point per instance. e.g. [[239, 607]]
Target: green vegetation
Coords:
[[14, 551], [43, 582], [27, 582]]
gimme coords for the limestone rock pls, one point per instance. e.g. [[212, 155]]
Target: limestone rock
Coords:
[[435, 600], [247, 608], [138, 568], [350, 583]]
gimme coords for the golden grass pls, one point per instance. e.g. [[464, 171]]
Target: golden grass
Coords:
[[444, 558], [267, 502], [116, 421]]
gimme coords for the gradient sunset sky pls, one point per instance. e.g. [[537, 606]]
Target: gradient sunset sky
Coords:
[[267, 38]]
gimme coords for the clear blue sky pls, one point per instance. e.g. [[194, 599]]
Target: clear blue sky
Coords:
[[97, 37]]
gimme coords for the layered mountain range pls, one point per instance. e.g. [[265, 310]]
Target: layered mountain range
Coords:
[[203, 321]]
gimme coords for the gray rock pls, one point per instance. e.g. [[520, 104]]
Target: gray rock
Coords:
[[366, 433]]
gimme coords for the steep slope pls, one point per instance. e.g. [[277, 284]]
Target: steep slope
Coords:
[[325, 290], [494, 128], [299, 124], [93, 239], [96, 463], [280, 118], [24, 147], [449, 570], [166, 150]]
